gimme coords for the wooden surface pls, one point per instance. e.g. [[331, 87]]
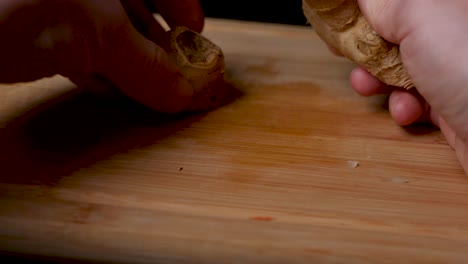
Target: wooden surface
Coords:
[[299, 169]]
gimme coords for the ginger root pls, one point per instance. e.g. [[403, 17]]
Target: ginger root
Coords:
[[341, 25], [202, 64]]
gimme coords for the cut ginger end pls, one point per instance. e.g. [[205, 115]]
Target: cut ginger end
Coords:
[[202, 64], [341, 25]]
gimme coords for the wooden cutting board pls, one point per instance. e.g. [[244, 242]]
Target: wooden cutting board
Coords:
[[299, 169]]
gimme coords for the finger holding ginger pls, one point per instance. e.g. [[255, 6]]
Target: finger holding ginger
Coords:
[[342, 26]]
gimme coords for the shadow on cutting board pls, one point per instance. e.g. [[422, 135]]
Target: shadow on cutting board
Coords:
[[78, 129], [8, 257]]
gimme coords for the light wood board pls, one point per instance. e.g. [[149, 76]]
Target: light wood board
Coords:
[[299, 169]]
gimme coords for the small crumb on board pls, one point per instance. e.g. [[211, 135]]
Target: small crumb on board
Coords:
[[353, 164], [399, 180]]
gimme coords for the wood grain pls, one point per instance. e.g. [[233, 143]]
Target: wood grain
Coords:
[[299, 169]]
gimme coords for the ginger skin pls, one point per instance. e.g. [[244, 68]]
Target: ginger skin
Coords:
[[341, 25], [202, 64]]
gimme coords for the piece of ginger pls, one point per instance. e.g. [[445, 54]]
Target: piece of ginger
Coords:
[[342, 26], [202, 64]]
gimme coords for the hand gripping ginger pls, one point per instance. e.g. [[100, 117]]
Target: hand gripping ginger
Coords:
[[341, 25]]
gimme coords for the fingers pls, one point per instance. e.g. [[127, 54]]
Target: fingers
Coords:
[[143, 71], [406, 108], [187, 13], [367, 85], [454, 141], [448, 132], [143, 20], [95, 85]]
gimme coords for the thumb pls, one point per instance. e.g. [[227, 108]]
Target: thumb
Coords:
[[144, 72], [389, 18]]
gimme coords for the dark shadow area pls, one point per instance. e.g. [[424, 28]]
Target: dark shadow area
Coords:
[[420, 129], [9, 257], [78, 129], [270, 11]]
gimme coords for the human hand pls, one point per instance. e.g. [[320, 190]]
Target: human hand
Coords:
[[117, 40], [433, 50]]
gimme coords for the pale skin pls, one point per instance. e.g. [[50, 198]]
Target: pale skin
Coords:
[[98, 42], [118, 41], [433, 49]]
